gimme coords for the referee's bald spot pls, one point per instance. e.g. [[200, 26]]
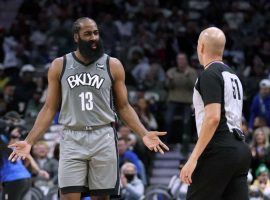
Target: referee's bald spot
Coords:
[[214, 40]]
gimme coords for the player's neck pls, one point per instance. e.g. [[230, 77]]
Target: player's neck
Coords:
[[81, 58], [210, 60]]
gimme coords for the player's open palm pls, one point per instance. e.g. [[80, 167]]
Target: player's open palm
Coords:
[[152, 141], [21, 149]]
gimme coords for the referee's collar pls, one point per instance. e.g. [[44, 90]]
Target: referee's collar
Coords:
[[214, 61]]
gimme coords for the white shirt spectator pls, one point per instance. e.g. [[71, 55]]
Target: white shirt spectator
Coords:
[[9, 46], [125, 28], [38, 38], [140, 70]]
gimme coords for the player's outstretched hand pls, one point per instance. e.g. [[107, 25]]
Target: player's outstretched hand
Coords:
[[152, 141], [21, 149]]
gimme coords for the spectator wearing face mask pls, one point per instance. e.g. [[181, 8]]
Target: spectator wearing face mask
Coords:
[[132, 186]]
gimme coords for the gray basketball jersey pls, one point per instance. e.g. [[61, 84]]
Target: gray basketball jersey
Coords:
[[86, 93]]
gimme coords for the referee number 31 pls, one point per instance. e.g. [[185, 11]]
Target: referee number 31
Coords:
[[235, 87]]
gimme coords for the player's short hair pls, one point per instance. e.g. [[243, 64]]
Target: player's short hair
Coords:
[[76, 25]]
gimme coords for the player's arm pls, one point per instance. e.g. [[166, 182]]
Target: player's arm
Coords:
[[46, 114], [124, 109], [50, 107], [127, 113]]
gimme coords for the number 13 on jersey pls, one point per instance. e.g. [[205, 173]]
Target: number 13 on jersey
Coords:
[[86, 100]]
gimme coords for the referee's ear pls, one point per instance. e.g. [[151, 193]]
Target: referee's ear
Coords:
[[202, 48]]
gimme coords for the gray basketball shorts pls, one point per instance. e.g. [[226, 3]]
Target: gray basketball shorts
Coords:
[[89, 162]]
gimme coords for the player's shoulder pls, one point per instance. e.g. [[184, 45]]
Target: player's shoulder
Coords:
[[115, 62], [58, 61], [56, 66], [116, 69]]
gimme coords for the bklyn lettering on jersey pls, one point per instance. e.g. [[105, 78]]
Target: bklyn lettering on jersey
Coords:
[[85, 79]]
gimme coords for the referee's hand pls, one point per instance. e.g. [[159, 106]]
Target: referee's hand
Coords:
[[187, 171]]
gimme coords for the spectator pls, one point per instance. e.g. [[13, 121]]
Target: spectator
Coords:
[[9, 46], [13, 175], [177, 188], [265, 52], [254, 74], [155, 77], [26, 86], [260, 106], [245, 130], [234, 17], [261, 186], [16, 175], [32, 108], [110, 34], [124, 132], [259, 122], [140, 70], [181, 81], [126, 155], [40, 152], [132, 186], [3, 105], [13, 119], [11, 100], [260, 149], [125, 27], [147, 118], [136, 145], [3, 78]]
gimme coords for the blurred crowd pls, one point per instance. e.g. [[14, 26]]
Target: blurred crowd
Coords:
[[156, 42]]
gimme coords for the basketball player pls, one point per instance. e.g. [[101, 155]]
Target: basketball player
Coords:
[[85, 82], [221, 158]]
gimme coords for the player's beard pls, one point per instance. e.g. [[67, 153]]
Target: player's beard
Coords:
[[86, 50]]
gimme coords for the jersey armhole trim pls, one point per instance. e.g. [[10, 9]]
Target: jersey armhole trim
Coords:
[[64, 67], [108, 68]]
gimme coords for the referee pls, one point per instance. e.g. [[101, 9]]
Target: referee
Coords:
[[218, 166]]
